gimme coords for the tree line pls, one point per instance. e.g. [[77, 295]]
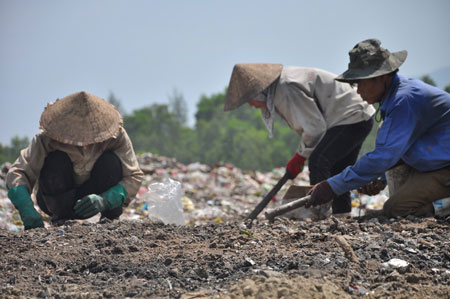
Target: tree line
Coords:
[[238, 137]]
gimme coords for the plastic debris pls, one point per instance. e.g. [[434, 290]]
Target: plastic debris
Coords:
[[164, 202], [208, 193], [442, 207], [398, 264]]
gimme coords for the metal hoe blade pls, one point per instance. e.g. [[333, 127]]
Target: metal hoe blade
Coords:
[[267, 199], [287, 207]]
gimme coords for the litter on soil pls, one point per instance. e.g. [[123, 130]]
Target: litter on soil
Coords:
[[214, 255]]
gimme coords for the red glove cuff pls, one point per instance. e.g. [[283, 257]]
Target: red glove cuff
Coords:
[[295, 165]]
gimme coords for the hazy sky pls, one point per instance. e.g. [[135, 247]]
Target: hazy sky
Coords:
[[142, 50]]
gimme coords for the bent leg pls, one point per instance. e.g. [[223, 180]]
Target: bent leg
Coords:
[[416, 195], [338, 149], [106, 173], [343, 203], [56, 194]]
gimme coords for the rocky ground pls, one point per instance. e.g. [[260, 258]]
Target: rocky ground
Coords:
[[214, 255]]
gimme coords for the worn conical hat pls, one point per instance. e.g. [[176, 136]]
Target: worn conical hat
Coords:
[[369, 60], [248, 80], [81, 119]]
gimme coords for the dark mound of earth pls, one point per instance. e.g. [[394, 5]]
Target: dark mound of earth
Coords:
[[333, 258]]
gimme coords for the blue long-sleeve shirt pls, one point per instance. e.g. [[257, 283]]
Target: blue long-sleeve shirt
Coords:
[[416, 129]]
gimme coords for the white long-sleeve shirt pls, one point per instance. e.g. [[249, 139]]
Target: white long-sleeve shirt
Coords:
[[311, 102]]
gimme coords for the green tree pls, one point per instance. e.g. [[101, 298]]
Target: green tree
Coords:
[[427, 79], [209, 107], [10, 153], [116, 102], [4, 154], [178, 106], [447, 88], [155, 129], [240, 137]]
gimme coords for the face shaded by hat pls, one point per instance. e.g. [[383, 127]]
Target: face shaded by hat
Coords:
[[248, 80], [369, 60], [81, 119]]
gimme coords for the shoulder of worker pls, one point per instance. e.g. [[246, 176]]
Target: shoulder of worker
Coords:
[[305, 74]]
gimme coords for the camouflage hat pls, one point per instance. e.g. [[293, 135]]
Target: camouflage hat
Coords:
[[248, 80], [81, 119], [368, 60]]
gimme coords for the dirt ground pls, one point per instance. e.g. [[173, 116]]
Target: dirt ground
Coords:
[[333, 258], [214, 255]]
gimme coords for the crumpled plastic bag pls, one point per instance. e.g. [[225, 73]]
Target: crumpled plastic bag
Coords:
[[314, 213], [164, 202], [442, 207]]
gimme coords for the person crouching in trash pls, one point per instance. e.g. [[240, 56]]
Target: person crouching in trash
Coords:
[[413, 142], [80, 164], [330, 117]]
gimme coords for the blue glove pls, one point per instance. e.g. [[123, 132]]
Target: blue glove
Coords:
[[21, 199], [92, 204]]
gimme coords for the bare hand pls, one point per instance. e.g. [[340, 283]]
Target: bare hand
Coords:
[[373, 188]]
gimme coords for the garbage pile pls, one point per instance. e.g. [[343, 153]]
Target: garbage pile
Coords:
[[208, 194], [216, 193]]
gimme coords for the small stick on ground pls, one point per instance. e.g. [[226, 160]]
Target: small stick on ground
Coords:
[[349, 253]]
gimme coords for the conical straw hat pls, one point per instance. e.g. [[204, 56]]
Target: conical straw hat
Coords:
[[248, 80], [81, 119]]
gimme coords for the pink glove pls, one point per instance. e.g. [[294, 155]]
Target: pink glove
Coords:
[[295, 165]]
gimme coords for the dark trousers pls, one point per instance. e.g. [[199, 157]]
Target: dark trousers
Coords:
[[57, 192], [338, 149]]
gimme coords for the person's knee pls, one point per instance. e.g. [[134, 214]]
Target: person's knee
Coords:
[[113, 213], [403, 206], [398, 204], [108, 162], [56, 175], [389, 209], [319, 167], [107, 169], [342, 204]]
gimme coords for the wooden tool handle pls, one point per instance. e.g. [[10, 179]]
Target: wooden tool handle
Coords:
[[287, 207], [268, 197]]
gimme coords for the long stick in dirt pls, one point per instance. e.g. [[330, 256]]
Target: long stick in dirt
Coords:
[[349, 253], [268, 198], [287, 207]]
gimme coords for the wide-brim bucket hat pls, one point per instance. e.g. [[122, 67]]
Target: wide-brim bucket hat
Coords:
[[248, 80], [369, 60], [81, 119]]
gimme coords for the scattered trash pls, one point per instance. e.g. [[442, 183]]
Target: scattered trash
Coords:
[[363, 202], [208, 194], [397, 264], [358, 290], [442, 207], [164, 202]]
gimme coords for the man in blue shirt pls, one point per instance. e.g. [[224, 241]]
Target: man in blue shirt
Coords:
[[415, 132]]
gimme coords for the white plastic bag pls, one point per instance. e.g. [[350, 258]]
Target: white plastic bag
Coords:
[[164, 202], [314, 213], [442, 207]]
